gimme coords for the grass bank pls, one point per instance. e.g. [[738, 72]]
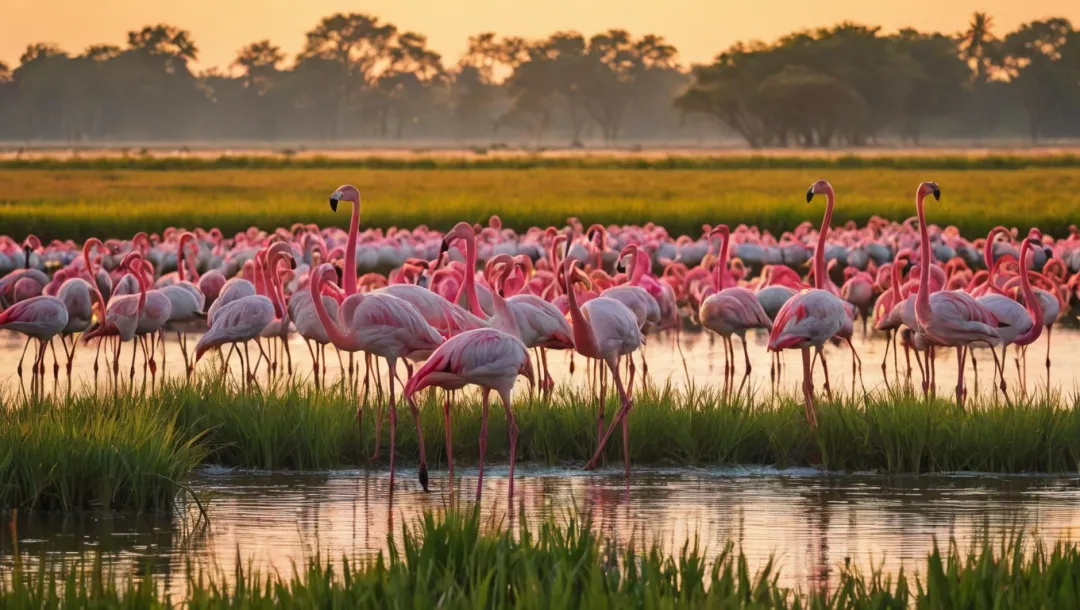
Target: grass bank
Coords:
[[453, 561], [79, 203], [94, 450]]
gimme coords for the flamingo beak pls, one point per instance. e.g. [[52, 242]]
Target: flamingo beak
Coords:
[[809, 194], [334, 199], [937, 194]]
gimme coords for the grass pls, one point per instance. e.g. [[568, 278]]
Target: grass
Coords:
[[454, 561], [79, 203], [132, 451]]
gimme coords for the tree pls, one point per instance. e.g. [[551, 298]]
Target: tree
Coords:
[[259, 61], [358, 43], [1042, 61], [977, 45]]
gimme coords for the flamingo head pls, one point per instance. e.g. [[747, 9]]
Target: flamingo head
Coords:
[[930, 188], [461, 230], [818, 188], [345, 192]]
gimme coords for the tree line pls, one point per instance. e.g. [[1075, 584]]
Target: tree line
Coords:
[[360, 79]]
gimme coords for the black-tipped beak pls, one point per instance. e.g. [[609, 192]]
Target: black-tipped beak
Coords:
[[444, 247], [292, 263], [1049, 252], [333, 204], [937, 194], [809, 194]]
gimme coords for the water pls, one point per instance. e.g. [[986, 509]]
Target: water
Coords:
[[811, 522], [700, 360]]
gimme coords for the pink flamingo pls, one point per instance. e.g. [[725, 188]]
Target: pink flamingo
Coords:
[[605, 329], [386, 327], [239, 321], [123, 314], [732, 310], [949, 318], [41, 318], [485, 357], [812, 317]]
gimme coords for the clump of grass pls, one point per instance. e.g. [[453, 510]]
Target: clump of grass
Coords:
[[455, 561], [86, 453], [77, 204]]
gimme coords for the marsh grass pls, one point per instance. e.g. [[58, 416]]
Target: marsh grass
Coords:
[[76, 204], [131, 450], [454, 560]]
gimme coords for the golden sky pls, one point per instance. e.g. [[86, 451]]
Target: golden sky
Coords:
[[699, 28]]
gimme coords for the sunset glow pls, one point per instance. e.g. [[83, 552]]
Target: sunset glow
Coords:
[[698, 28]]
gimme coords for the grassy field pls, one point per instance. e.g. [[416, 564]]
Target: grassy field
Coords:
[[79, 203], [456, 561], [134, 452]]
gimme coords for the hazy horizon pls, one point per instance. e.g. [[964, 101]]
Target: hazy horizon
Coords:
[[697, 28]]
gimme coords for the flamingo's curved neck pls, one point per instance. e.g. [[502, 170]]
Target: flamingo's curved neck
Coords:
[[141, 279], [584, 340], [260, 277], [470, 275], [922, 300], [896, 271], [337, 337], [349, 281], [277, 294], [721, 264], [820, 277], [1034, 306], [180, 271], [504, 318]]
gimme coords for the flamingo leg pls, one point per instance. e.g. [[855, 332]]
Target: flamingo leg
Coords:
[[855, 359], [56, 363], [960, 353], [1000, 368], [808, 388], [483, 442], [512, 430], [449, 442], [1049, 331], [183, 353], [825, 368], [393, 426], [378, 413], [18, 369], [620, 418], [423, 474]]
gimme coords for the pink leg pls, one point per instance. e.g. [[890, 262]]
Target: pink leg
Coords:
[[627, 404], [825, 368], [378, 411], [483, 443], [808, 388], [1049, 331], [960, 377], [512, 430], [746, 355], [423, 474], [449, 442], [393, 427]]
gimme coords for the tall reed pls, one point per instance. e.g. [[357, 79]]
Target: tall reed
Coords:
[[456, 561]]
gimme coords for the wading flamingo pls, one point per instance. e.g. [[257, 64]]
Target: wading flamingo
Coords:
[[385, 327], [812, 317], [949, 318], [604, 329]]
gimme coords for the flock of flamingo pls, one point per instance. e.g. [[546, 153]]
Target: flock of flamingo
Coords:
[[421, 297]]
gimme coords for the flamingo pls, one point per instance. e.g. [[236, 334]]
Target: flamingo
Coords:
[[604, 329], [949, 318], [540, 323], [812, 317], [1016, 324], [123, 314], [42, 318], [187, 302], [386, 327], [485, 357], [239, 321], [731, 311]]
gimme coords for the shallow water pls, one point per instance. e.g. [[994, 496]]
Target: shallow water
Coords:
[[700, 361], [810, 521]]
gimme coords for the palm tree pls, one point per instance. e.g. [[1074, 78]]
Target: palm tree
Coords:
[[976, 43]]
